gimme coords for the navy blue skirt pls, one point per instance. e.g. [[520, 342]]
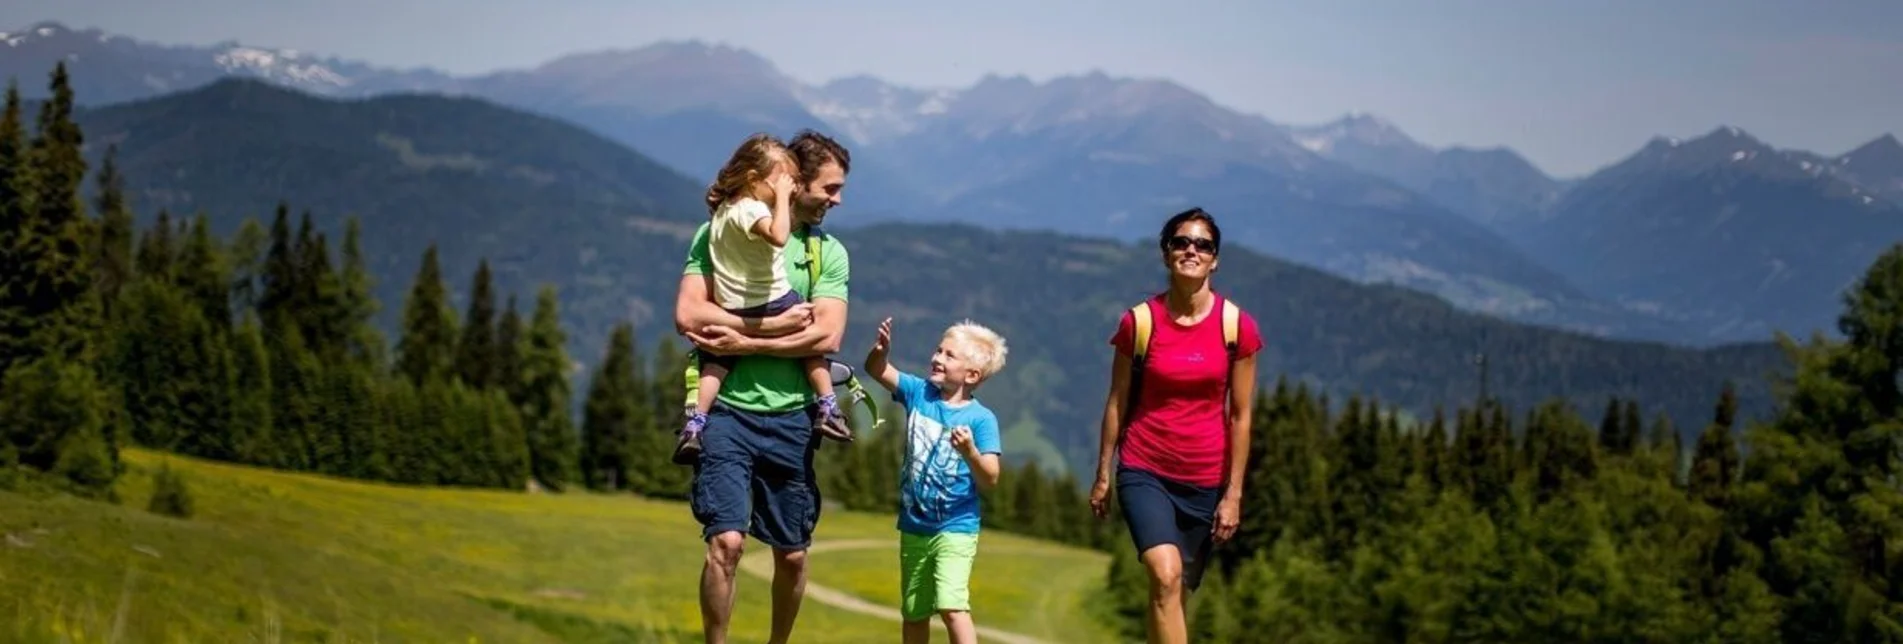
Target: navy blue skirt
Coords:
[[1162, 511]]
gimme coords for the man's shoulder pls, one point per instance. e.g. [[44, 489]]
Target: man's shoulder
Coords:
[[829, 244]]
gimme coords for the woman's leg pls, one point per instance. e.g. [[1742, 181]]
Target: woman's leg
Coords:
[[1151, 515]]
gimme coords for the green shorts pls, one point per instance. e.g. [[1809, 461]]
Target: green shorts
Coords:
[[935, 573]]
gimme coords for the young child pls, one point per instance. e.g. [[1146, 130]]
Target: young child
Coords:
[[952, 450], [746, 243]]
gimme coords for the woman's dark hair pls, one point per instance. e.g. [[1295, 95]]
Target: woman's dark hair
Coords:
[[1184, 217]]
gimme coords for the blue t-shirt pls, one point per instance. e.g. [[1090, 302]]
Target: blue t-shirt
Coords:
[[936, 490]]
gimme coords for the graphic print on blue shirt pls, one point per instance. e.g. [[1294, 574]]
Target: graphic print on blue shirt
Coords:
[[937, 492]]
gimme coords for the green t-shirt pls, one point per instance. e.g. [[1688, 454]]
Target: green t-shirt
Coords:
[[767, 384]]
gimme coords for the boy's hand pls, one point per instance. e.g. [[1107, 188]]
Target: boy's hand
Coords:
[[883, 343], [961, 439]]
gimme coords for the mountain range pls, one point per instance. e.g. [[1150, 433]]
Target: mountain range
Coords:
[[1630, 251], [546, 201]]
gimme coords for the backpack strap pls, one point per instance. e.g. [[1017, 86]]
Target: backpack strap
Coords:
[[1143, 326], [812, 263]]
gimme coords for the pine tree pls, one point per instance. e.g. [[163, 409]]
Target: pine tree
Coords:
[[546, 396], [278, 283], [113, 254], [17, 192], [1715, 458], [510, 336], [203, 276], [157, 257], [611, 416], [358, 305], [428, 343], [476, 351], [56, 261], [247, 257]]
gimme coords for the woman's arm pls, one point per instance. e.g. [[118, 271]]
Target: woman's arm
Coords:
[[1241, 417], [1112, 429]]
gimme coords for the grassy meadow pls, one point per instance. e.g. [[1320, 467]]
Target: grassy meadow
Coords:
[[271, 556]]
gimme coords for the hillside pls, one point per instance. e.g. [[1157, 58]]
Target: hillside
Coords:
[[268, 554], [481, 181], [1005, 152], [1723, 231], [1057, 298]]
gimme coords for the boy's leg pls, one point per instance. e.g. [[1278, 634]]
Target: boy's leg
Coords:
[[917, 587], [952, 556]]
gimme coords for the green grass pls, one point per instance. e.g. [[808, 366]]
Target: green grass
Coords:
[[269, 556], [1017, 585]]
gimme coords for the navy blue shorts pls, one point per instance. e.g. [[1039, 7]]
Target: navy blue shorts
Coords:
[[789, 300], [756, 475], [1161, 511]]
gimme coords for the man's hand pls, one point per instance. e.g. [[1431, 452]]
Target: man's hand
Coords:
[[719, 340], [788, 321], [1228, 517]]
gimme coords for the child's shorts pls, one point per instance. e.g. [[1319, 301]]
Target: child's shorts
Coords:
[[935, 573], [789, 300]]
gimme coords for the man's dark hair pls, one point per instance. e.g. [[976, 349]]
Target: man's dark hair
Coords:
[[811, 150]]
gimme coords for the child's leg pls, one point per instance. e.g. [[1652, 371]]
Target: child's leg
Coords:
[[952, 556], [917, 586], [713, 370], [821, 375]]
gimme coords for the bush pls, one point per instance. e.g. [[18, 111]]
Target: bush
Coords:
[[170, 496]]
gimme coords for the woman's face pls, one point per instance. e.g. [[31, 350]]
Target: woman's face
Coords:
[[1191, 252]]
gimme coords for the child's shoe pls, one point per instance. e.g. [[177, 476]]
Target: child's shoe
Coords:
[[687, 450], [831, 421]]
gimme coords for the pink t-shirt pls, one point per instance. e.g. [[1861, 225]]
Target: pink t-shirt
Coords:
[[1178, 428]]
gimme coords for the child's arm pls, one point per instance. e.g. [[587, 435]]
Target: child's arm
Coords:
[[876, 364], [779, 225], [983, 459]]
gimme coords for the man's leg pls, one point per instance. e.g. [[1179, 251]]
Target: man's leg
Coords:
[[720, 503], [717, 585], [785, 507], [789, 587]]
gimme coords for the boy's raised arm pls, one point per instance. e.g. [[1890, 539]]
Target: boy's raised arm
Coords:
[[877, 364]]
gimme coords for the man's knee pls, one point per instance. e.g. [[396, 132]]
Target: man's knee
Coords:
[[724, 550], [789, 560]]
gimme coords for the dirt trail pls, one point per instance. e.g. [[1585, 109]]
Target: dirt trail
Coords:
[[760, 564]]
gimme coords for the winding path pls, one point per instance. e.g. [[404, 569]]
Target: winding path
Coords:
[[761, 565]]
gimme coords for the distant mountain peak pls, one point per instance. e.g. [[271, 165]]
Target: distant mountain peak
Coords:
[[1356, 126]]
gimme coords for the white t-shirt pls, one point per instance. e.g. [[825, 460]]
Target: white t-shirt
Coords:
[[748, 270]]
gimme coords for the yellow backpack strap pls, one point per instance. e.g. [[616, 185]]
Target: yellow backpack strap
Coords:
[[1231, 326], [1140, 316]]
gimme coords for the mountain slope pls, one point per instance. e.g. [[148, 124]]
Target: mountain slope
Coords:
[[549, 202], [542, 199], [1877, 166], [964, 155], [1491, 186], [1722, 230]]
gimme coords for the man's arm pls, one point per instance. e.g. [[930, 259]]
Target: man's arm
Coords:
[[820, 338], [695, 310]]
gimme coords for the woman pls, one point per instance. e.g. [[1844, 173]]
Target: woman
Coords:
[[1181, 451]]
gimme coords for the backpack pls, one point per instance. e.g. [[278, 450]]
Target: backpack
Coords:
[[1140, 319], [842, 373]]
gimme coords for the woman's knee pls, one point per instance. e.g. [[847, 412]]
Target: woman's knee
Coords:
[[1165, 566]]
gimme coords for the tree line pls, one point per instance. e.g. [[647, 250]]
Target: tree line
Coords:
[[260, 349], [1547, 527]]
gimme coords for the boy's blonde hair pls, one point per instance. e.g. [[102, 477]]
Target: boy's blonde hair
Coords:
[[981, 347]]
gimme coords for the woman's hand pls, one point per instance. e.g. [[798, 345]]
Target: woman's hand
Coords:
[[1228, 517], [1100, 496]]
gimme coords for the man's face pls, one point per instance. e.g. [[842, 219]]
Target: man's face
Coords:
[[820, 195]]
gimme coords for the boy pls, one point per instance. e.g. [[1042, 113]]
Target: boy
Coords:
[[952, 449]]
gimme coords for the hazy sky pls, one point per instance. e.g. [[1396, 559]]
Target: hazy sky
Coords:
[[1572, 84]]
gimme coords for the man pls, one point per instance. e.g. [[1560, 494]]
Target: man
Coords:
[[755, 474]]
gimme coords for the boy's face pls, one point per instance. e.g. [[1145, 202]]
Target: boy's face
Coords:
[[949, 368]]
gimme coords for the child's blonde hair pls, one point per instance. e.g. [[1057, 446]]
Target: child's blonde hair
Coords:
[[982, 348]]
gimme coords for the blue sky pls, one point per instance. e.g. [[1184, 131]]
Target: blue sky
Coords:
[[1572, 84]]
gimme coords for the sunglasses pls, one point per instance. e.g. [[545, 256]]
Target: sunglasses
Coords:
[[1204, 245]]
